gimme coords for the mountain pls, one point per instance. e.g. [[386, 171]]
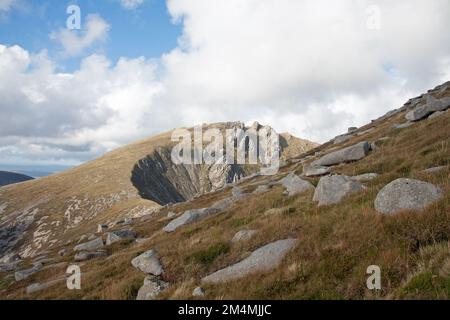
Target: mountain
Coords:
[[140, 226], [12, 177]]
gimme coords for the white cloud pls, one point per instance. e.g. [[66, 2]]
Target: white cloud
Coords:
[[310, 67], [46, 114], [94, 29], [6, 5], [312, 59], [131, 4]]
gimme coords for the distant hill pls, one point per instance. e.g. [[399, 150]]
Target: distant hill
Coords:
[[12, 177]]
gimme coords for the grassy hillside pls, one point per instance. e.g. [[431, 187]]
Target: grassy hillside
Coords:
[[336, 243]]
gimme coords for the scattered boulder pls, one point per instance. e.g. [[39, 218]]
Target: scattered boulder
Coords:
[[434, 169], [198, 292], [332, 189], [62, 252], [148, 262], [352, 153], [365, 177], [342, 138], [432, 105], [91, 245], [261, 260], [243, 235], [315, 171], [295, 185], [152, 288], [23, 274], [436, 114], [115, 236], [406, 194], [402, 125], [190, 217], [85, 255]]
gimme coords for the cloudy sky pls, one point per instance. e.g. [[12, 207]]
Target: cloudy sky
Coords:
[[140, 67]]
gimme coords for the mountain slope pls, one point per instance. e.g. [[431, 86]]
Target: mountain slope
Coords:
[[7, 178], [334, 244]]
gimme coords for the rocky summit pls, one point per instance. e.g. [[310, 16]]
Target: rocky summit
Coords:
[[140, 226]]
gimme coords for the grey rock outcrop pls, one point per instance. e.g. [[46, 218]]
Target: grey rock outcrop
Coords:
[[432, 105], [243, 235], [406, 194], [332, 189], [152, 288], [295, 185], [120, 235], [352, 153], [148, 262], [91, 245], [261, 260]]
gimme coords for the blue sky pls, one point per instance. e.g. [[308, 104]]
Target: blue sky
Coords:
[[146, 30]]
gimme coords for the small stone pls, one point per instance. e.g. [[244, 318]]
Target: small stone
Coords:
[[243, 235], [198, 292], [295, 185], [365, 177], [315, 171]]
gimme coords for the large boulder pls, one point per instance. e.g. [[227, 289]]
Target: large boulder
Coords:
[[332, 189], [148, 262], [430, 107], [119, 235], [152, 288], [91, 245], [295, 185], [189, 217], [352, 153], [406, 194], [261, 260]]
